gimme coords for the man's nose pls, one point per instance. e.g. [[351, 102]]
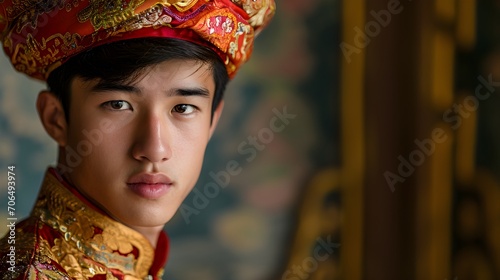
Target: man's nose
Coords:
[[152, 142]]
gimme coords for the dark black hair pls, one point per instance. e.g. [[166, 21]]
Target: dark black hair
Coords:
[[123, 61]]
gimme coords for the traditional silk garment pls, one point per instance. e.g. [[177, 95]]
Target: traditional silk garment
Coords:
[[67, 237]]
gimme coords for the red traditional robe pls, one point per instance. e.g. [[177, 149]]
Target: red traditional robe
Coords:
[[66, 237]]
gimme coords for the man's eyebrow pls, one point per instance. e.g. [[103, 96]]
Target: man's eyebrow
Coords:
[[104, 86], [198, 91]]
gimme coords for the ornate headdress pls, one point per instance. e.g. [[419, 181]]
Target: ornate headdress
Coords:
[[40, 35]]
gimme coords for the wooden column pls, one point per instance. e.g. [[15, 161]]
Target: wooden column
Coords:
[[352, 145]]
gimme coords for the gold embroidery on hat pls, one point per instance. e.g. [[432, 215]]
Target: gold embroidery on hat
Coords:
[[182, 5], [152, 17], [108, 13], [260, 11], [30, 17]]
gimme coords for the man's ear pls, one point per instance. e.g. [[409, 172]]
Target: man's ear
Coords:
[[216, 117], [51, 113]]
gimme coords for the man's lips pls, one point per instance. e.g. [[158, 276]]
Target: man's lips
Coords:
[[149, 185]]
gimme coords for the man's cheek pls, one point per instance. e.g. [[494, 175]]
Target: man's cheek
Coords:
[[84, 145]]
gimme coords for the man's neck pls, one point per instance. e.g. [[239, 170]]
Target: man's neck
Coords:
[[150, 233]]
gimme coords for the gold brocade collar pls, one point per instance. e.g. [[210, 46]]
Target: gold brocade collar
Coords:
[[89, 242]]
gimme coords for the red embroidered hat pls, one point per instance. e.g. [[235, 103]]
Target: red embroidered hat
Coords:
[[40, 35]]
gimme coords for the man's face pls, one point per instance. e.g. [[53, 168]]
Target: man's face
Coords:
[[136, 149]]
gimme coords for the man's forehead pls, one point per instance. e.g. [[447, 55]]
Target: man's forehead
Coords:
[[173, 78], [174, 69]]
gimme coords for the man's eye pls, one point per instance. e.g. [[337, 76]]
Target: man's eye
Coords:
[[184, 109], [117, 105]]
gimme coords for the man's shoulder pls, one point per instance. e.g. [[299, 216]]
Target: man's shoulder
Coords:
[[23, 253]]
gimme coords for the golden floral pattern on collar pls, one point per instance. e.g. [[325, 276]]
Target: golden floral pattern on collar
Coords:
[[90, 243]]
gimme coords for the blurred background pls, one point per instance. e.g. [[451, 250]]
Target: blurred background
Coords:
[[387, 165]]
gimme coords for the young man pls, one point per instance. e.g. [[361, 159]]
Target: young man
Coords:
[[134, 94]]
